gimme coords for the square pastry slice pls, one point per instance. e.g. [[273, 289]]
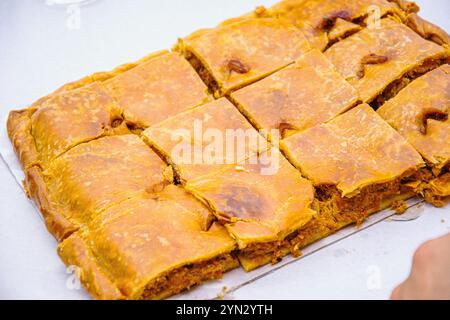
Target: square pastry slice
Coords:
[[262, 203], [149, 247], [91, 177], [234, 55], [324, 22], [358, 165], [379, 62], [420, 113], [61, 121], [300, 96], [204, 138], [157, 89]]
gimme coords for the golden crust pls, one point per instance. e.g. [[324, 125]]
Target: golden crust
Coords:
[[73, 117], [140, 93], [402, 50], [87, 179], [75, 252], [406, 6], [195, 142], [263, 199], [239, 53], [132, 244], [427, 30], [415, 111], [420, 113], [157, 89], [60, 121], [57, 224], [133, 234], [440, 187], [325, 21], [298, 97], [352, 151], [20, 125], [341, 29], [19, 132]]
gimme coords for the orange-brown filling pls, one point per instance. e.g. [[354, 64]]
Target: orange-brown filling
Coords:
[[333, 213], [428, 192], [185, 277], [202, 71]]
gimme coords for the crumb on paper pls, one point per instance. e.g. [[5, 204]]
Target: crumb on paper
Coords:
[[222, 293], [411, 214], [399, 207], [241, 169], [296, 252]]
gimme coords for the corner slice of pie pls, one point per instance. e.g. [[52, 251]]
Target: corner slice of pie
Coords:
[[325, 22], [420, 113], [204, 139], [262, 203], [157, 89], [300, 96], [379, 62], [234, 55], [89, 178], [358, 165], [149, 247], [61, 121], [427, 29]]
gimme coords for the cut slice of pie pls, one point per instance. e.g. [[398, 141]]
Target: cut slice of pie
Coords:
[[61, 121], [157, 89], [379, 62], [262, 202], [204, 139], [234, 55], [91, 177], [420, 113], [358, 165], [149, 247], [297, 97]]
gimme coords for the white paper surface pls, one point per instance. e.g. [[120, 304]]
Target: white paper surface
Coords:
[[38, 54]]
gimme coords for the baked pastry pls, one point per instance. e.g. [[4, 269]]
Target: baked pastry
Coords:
[[91, 177], [427, 29], [358, 165], [204, 139], [132, 97], [325, 22], [297, 97], [379, 62], [61, 121], [262, 202], [234, 55], [166, 172], [157, 89], [420, 113], [149, 247]]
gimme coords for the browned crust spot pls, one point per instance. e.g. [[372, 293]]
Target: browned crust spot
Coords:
[[370, 59], [328, 21]]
